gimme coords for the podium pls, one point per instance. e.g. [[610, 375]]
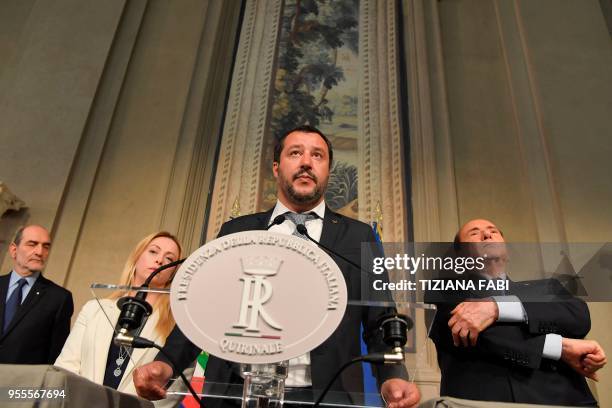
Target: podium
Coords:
[[79, 392], [231, 394], [218, 395], [281, 297], [58, 388]]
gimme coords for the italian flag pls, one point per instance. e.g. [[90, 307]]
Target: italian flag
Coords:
[[197, 381]]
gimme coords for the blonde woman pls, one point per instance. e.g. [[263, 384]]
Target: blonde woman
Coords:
[[89, 350]]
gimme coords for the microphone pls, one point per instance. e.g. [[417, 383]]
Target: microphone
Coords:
[[301, 228], [134, 309], [279, 219], [394, 327]]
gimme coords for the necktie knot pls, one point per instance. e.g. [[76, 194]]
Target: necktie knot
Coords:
[[300, 219], [21, 283]]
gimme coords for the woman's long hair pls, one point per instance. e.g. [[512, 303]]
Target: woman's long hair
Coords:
[[162, 304]]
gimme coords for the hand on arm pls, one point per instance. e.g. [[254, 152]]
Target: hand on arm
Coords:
[[470, 318], [399, 393], [584, 356], [150, 379], [563, 314]]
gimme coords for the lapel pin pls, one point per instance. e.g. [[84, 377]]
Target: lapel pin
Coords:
[[334, 221]]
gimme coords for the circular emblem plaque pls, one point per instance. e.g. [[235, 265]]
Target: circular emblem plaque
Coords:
[[258, 297]]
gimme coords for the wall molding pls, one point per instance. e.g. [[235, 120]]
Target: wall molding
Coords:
[[194, 162], [238, 170], [75, 200], [536, 166], [381, 162]]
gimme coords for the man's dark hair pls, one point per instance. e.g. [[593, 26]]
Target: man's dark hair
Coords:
[[280, 142], [19, 235]]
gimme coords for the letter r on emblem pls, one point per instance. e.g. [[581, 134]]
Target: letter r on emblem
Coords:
[[261, 290]]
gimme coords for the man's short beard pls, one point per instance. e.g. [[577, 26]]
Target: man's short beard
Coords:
[[304, 199], [311, 198]]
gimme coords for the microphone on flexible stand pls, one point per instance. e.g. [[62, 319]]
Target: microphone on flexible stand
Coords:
[[393, 326], [133, 311], [279, 219], [301, 228]]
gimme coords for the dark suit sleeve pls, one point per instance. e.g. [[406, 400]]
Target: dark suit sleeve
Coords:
[[501, 342], [549, 308], [178, 352], [506, 343], [224, 230], [371, 314], [61, 327], [562, 314]]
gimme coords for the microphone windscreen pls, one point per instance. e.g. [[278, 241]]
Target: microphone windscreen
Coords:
[[279, 219]]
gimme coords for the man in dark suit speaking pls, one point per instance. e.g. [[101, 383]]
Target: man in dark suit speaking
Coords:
[[35, 312], [302, 161], [524, 344]]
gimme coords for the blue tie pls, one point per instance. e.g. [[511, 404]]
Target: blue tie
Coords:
[[13, 303]]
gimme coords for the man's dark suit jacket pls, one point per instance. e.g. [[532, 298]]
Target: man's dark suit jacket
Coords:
[[506, 364], [344, 235], [40, 326]]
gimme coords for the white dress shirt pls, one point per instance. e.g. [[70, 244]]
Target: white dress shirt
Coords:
[[15, 277], [299, 367]]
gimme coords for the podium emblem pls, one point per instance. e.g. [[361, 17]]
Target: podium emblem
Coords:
[[258, 297]]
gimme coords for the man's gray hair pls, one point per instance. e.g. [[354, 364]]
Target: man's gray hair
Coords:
[[19, 235]]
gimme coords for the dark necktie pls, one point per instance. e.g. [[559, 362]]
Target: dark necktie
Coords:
[[13, 303], [298, 219]]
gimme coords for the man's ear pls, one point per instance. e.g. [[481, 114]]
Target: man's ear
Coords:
[[275, 169], [13, 250]]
